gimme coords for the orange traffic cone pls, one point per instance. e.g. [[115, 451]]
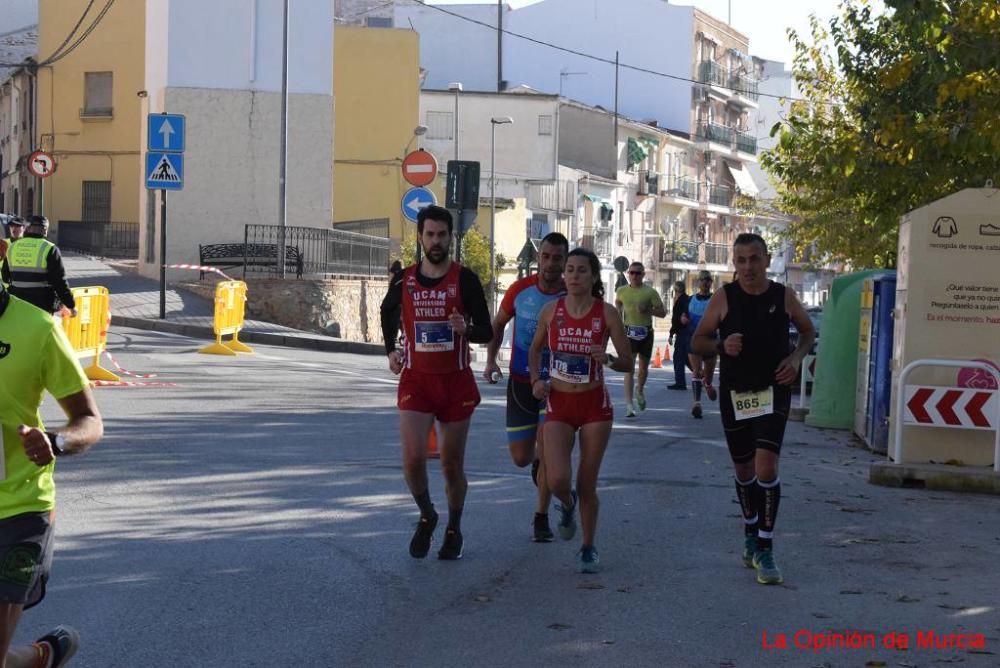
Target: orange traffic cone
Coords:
[[432, 443], [666, 353], [657, 360]]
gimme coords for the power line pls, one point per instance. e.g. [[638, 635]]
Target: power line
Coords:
[[93, 26], [600, 59], [73, 31]]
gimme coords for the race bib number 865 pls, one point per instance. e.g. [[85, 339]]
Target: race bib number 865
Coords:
[[748, 405]]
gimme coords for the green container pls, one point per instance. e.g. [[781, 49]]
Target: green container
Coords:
[[834, 389]]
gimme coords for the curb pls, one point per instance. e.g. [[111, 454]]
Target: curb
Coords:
[[303, 340], [935, 476]]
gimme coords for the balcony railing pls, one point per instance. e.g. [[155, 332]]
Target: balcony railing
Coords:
[[717, 253], [679, 186], [712, 73], [746, 143], [720, 195], [679, 251], [745, 86], [721, 134]]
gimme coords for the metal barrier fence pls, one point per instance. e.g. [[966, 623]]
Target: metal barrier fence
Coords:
[[322, 251], [103, 238], [373, 227]]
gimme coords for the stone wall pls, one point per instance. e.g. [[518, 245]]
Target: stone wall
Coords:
[[346, 308]]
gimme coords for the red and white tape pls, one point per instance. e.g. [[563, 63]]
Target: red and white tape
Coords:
[[128, 383], [196, 267], [126, 372]]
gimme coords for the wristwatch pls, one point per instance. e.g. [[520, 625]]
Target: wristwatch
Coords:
[[58, 442]]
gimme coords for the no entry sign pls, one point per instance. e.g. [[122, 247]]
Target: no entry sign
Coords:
[[420, 168]]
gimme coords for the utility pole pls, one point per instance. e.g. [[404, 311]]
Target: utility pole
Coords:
[[283, 158], [616, 106], [499, 45]]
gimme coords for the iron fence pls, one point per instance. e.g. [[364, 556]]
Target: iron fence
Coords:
[[103, 238], [319, 251]]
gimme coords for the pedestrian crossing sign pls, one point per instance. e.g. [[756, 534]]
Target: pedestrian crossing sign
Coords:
[[164, 171]]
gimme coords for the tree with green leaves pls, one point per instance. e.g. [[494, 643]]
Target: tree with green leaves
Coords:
[[898, 109]]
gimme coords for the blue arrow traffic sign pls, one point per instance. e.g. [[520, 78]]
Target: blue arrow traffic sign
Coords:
[[166, 133], [165, 171], [416, 199]]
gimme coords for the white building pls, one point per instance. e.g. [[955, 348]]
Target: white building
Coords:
[[233, 113], [700, 84]]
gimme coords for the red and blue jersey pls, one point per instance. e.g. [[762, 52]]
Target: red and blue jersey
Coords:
[[524, 301]]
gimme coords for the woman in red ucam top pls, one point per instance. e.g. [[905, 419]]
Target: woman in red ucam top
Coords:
[[576, 329]]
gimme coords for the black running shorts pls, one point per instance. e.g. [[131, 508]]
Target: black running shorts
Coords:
[[25, 558], [766, 432]]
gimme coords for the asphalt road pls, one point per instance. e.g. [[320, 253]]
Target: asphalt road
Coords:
[[256, 515]]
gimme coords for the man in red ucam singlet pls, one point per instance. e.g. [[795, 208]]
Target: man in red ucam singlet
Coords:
[[443, 309], [576, 329]]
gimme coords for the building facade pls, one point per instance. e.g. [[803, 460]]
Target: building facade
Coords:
[[18, 187], [701, 87], [377, 90]]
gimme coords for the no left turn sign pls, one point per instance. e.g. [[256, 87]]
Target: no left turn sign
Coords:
[[41, 164]]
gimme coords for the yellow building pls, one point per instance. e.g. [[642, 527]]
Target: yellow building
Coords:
[[89, 114], [376, 88]]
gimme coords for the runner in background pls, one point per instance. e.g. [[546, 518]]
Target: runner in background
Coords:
[[702, 365], [638, 304]]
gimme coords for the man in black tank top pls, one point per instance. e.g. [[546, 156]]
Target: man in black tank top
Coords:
[[752, 315]]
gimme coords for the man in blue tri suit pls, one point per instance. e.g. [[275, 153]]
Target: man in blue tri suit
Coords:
[[702, 365], [522, 303]]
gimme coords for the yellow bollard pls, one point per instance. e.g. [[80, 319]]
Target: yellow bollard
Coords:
[[88, 331], [230, 303]]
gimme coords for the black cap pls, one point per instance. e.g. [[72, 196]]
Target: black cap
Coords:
[[40, 221], [16, 220]]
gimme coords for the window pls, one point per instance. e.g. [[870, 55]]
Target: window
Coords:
[[378, 21], [96, 201], [440, 125], [97, 94], [545, 125]]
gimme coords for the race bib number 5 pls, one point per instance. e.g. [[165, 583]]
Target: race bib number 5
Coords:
[[434, 337], [748, 405], [570, 368]]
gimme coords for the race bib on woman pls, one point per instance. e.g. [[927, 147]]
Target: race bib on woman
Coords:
[[570, 368]]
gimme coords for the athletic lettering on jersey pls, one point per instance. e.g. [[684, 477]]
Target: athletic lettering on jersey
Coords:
[[431, 343], [571, 340]]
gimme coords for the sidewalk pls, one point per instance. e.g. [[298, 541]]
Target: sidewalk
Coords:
[[135, 302]]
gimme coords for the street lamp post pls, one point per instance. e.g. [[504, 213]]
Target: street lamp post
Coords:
[[456, 88], [494, 122]]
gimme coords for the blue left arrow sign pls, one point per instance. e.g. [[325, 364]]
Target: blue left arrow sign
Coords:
[[416, 199]]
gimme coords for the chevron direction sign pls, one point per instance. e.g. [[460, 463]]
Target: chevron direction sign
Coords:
[[951, 407]]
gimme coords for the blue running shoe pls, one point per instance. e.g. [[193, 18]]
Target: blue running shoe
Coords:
[[567, 519], [590, 562], [768, 572]]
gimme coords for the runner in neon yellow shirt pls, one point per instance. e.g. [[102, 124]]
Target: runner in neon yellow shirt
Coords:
[[638, 304], [35, 357]]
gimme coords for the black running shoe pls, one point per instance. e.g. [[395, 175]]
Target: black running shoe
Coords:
[[420, 544], [64, 641], [452, 547], [696, 411], [534, 471], [541, 531]]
